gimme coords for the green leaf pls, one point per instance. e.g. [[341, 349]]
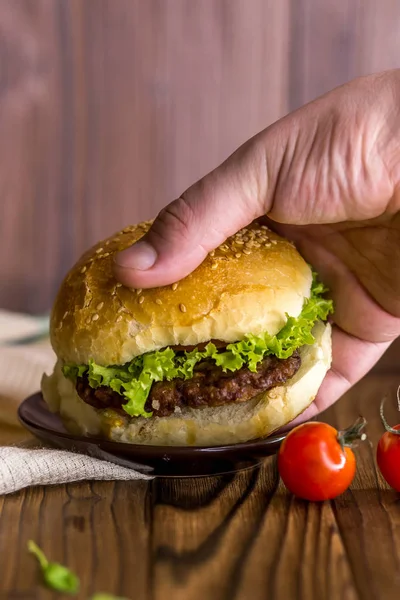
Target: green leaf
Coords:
[[73, 371], [134, 380], [55, 576], [230, 360], [137, 392], [34, 549], [99, 375], [60, 578]]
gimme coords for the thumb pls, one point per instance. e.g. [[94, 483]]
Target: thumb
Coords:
[[214, 208]]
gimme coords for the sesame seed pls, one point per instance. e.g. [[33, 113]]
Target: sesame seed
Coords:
[[274, 241], [214, 265], [95, 317], [212, 253], [240, 242], [65, 314], [267, 245], [238, 255], [116, 239], [174, 286], [182, 308], [158, 301], [100, 306], [139, 291], [83, 269], [246, 238], [118, 285], [246, 251], [99, 250], [107, 242], [141, 299], [256, 244], [119, 319], [105, 255], [264, 227]]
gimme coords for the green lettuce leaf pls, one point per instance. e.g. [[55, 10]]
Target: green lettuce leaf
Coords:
[[55, 575], [74, 371], [134, 379]]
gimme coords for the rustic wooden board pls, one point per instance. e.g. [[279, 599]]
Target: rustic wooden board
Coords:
[[110, 109], [232, 537]]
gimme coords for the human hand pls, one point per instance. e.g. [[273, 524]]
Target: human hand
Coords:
[[327, 177]]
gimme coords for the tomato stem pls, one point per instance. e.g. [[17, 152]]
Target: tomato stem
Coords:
[[348, 437], [383, 418]]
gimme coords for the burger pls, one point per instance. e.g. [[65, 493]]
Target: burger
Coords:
[[231, 353]]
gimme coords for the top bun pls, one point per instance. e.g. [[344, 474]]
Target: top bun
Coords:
[[247, 285]]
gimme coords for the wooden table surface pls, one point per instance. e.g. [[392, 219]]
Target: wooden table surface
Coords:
[[240, 536]]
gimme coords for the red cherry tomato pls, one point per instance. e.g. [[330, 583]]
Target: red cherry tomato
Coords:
[[388, 457], [315, 462]]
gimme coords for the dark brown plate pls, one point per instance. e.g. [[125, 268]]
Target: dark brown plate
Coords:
[[163, 461]]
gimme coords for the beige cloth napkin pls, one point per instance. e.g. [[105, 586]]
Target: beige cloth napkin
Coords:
[[24, 461]]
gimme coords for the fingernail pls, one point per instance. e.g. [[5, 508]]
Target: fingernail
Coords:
[[140, 256]]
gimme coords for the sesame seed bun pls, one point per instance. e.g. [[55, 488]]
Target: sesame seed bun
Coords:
[[247, 285]]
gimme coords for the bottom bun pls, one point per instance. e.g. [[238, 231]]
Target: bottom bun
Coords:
[[211, 426]]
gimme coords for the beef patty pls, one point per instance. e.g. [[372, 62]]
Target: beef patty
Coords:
[[209, 386]]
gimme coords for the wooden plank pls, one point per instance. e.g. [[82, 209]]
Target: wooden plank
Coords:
[[377, 34], [369, 517], [250, 540], [390, 361], [112, 109], [247, 537], [97, 529], [323, 47], [30, 154], [235, 536]]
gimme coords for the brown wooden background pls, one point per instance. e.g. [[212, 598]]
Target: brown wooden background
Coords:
[[110, 108]]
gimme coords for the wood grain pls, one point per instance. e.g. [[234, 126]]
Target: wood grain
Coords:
[[99, 531], [233, 537], [109, 110], [390, 362]]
